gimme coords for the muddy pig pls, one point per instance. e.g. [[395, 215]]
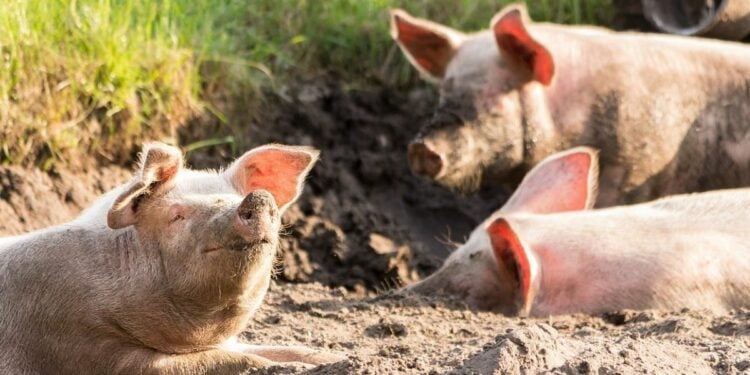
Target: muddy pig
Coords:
[[159, 276], [545, 253], [669, 113]]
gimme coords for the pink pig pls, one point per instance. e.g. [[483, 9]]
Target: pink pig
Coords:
[[545, 253], [159, 276], [668, 113]]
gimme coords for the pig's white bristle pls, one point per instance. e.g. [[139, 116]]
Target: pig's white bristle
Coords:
[[277, 266]]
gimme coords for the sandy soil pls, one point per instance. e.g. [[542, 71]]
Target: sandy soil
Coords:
[[364, 226], [417, 335]]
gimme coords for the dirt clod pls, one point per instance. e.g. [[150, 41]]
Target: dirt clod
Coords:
[[386, 329]]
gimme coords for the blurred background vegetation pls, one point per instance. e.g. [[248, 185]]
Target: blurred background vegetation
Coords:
[[99, 76]]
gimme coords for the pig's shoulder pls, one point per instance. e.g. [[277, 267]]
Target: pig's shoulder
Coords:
[[725, 201]]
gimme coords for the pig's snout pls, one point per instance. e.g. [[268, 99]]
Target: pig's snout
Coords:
[[424, 159], [257, 217]]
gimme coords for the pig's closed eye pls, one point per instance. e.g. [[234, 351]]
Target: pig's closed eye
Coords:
[[176, 218]]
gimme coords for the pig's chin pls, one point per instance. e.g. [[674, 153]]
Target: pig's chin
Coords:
[[462, 181]]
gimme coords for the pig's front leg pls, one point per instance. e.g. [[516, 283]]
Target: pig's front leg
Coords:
[[295, 354], [285, 354], [215, 361]]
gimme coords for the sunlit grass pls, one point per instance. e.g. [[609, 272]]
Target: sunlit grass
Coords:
[[99, 76]]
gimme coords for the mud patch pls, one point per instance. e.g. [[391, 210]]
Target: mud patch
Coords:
[[31, 199], [365, 222]]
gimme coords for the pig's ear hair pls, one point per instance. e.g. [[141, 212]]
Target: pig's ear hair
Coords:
[[516, 43], [517, 260], [159, 165], [565, 181], [428, 45], [278, 169]]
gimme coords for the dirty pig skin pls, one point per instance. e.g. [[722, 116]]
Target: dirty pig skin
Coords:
[[544, 252], [669, 113], [159, 276]]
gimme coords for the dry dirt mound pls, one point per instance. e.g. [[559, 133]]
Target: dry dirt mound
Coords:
[[414, 335]]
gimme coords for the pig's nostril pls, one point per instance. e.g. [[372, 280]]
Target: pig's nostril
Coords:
[[256, 207], [423, 160]]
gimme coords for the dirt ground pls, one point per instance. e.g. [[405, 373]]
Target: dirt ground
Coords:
[[365, 226], [415, 335]]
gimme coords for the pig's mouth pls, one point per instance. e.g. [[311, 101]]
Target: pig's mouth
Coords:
[[239, 246]]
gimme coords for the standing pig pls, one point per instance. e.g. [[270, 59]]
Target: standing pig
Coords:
[[159, 276], [541, 254], [669, 114]]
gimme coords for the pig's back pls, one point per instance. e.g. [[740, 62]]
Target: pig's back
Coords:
[[46, 279], [726, 211], [633, 40], [684, 251]]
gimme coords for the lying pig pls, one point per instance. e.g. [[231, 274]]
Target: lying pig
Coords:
[[543, 254], [669, 114], [159, 276]]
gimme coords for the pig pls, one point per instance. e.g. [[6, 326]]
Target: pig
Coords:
[[545, 252], [668, 113], [159, 276]]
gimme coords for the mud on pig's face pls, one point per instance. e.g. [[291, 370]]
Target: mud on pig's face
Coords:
[[477, 131]]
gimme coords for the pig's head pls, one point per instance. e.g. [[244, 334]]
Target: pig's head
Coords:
[[477, 133], [493, 269], [209, 238]]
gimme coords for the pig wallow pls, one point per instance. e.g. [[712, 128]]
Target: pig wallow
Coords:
[[669, 113], [159, 276], [545, 253]]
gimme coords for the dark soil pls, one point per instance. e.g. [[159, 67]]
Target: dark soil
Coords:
[[31, 199], [365, 222]]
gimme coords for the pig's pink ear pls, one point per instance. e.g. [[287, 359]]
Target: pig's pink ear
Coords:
[[565, 181], [159, 165], [278, 169], [516, 42], [427, 45], [513, 257]]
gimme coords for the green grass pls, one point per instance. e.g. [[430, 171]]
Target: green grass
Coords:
[[99, 76], [351, 37]]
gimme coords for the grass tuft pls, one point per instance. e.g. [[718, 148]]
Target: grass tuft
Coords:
[[99, 76]]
